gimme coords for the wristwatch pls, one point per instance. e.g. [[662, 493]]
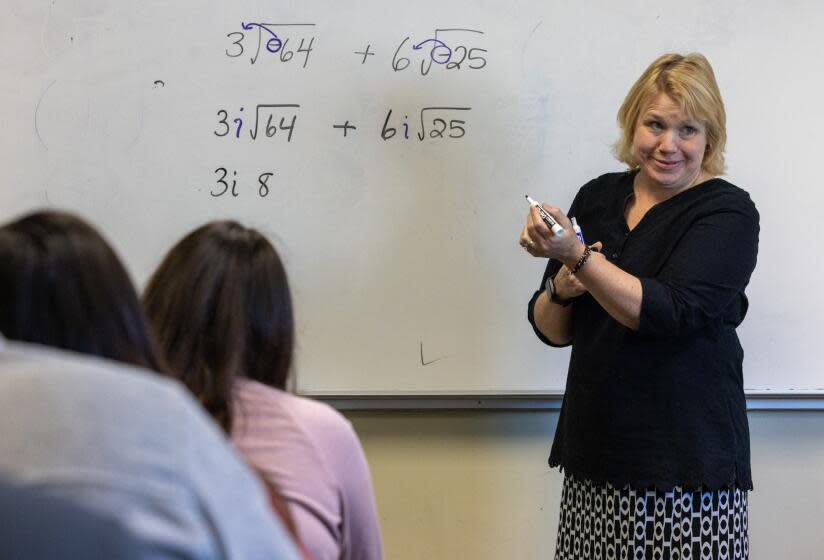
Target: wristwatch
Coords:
[[553, 295]]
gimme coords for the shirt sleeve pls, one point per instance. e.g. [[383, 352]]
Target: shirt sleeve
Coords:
[[709, 267], [361, 530], [552, 268], [232, 500]]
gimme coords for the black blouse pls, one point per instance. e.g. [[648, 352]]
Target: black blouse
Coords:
[[664, 405]]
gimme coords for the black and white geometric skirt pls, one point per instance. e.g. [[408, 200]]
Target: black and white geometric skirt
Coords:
[[607, 523]]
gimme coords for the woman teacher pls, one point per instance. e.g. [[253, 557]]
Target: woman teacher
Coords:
[[652, 435]]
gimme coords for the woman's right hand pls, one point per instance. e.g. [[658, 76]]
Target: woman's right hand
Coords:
[[539, 240]]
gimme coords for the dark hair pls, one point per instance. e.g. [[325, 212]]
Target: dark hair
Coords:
[[62, 285], [221, 309]]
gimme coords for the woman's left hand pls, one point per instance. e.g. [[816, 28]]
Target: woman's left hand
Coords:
[[567, 284]]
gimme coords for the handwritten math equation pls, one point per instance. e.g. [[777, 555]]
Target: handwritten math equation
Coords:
[[227, 184], [279, 121], [293, 43], [297, 44]]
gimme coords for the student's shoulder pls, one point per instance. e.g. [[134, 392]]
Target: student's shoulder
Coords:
[[64, 367], [319, 417], [54, 374], [312, 415]]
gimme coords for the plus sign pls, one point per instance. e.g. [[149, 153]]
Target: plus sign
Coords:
[[366, 52], [346, 127]]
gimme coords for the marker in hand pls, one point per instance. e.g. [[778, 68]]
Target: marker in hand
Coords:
[[577, 229], [548, 219]]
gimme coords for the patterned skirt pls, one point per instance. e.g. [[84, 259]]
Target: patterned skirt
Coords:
[[607, 523]]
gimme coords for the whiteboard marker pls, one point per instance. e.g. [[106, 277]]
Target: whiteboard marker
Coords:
[[548, 220], [577, 229]]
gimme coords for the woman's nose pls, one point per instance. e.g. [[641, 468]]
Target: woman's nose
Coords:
[[666, 142]]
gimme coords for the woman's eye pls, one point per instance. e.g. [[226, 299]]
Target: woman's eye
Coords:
[[689, 130], [654, 125]]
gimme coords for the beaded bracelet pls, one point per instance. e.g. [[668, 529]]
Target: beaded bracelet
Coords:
[[583, 260]]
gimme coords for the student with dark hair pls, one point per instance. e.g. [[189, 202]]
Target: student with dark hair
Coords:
[[62, 285], [221, 308], [105, 434]]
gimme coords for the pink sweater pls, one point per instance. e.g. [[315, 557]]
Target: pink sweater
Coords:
[[312, 455]]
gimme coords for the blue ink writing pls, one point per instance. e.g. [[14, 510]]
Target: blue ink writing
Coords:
[[239, 123]]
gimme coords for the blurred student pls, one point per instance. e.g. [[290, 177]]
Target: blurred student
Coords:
[[35, 525], [106, 434], [221, 308]]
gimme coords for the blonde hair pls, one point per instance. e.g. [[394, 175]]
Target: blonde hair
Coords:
[[690, 82]]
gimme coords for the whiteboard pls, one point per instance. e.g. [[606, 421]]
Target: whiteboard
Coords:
[[400, 139]]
